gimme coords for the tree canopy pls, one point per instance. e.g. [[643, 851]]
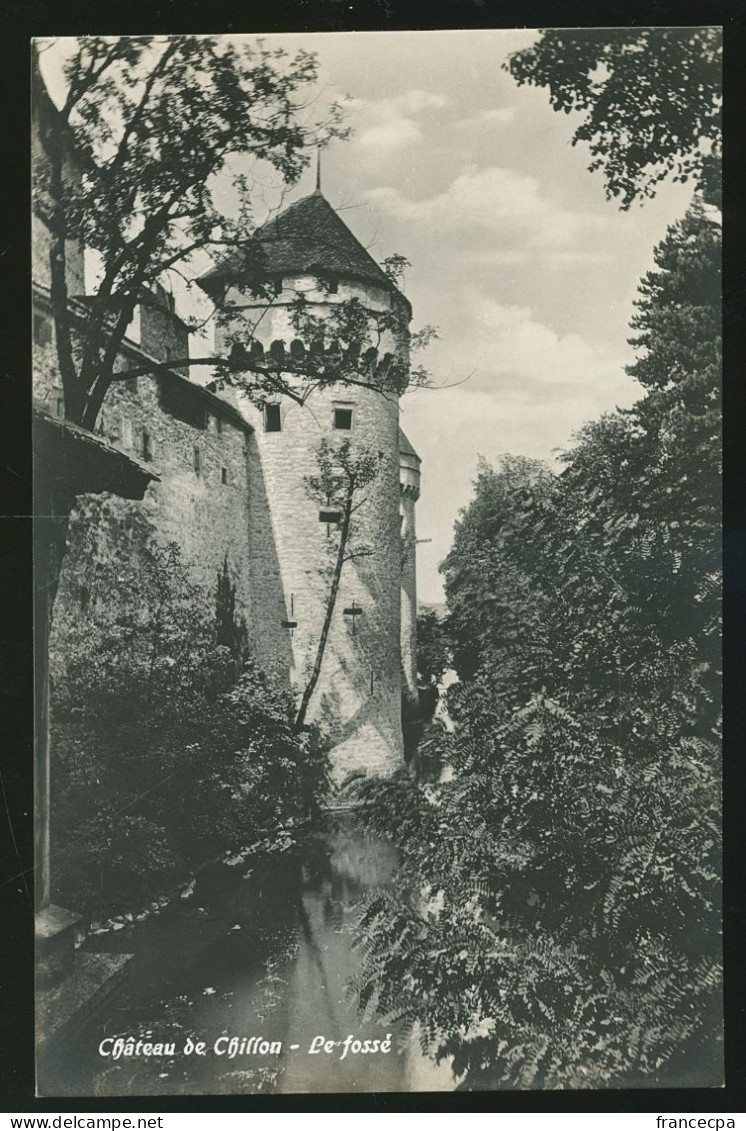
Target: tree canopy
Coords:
[[649, 99]]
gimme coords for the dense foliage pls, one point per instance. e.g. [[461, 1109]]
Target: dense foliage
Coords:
[[433, 657], [558, 918], [422, 725], [649, 100], [169, 744]]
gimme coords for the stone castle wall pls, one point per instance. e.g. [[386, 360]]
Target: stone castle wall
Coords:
[[162, 333], [198, 445], [205, 512]]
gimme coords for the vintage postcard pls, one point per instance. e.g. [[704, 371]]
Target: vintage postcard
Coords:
[[377, 557]]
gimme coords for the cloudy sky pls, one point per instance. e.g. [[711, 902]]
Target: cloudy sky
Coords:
[[526, 270]]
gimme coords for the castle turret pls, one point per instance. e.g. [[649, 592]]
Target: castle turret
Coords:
[[409, 466], [307, 250]]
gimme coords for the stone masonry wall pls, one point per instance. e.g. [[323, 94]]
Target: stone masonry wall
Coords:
[[162, 333], [206, 517], [196, 443], [201, 502]]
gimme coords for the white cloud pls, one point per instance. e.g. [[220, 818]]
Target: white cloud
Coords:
[[481, 424], [493, 199], [500, 257], [515, 354], [398, 133], [538, 256], [532, 389], [499, 116], [573, 258], [506, 351], [415, 101], [390, 123]]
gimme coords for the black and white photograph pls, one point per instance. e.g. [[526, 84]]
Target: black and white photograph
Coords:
[[377, 561]]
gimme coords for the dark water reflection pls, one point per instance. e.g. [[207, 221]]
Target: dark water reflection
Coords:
[[262, 950]]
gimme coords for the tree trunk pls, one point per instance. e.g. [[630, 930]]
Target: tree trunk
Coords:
[[316, 672]]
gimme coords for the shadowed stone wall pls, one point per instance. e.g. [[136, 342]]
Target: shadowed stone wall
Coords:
[[197, 444], [201, 504]]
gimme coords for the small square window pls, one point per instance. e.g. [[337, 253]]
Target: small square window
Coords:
[[223, 474], [197, 460], [343, 419], [272, 421]]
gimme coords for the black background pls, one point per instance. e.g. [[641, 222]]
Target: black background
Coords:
[[21, 20]]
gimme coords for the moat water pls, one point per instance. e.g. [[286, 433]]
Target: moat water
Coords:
[[263, 951]]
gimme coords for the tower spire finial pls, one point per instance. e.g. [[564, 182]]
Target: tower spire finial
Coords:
[[318, 168]]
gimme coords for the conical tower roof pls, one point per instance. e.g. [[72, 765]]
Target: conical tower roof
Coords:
[[405, 446], [308, 238]]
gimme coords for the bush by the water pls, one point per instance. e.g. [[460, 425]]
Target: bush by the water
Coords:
[[169, 744]]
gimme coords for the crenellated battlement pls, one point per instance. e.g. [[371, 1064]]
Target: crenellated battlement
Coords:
[[318, 359]]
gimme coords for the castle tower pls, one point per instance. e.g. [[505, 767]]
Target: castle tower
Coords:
[[308, 250], [410, 492]]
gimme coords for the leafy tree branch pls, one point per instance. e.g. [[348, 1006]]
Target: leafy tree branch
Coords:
[[649, 100]]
